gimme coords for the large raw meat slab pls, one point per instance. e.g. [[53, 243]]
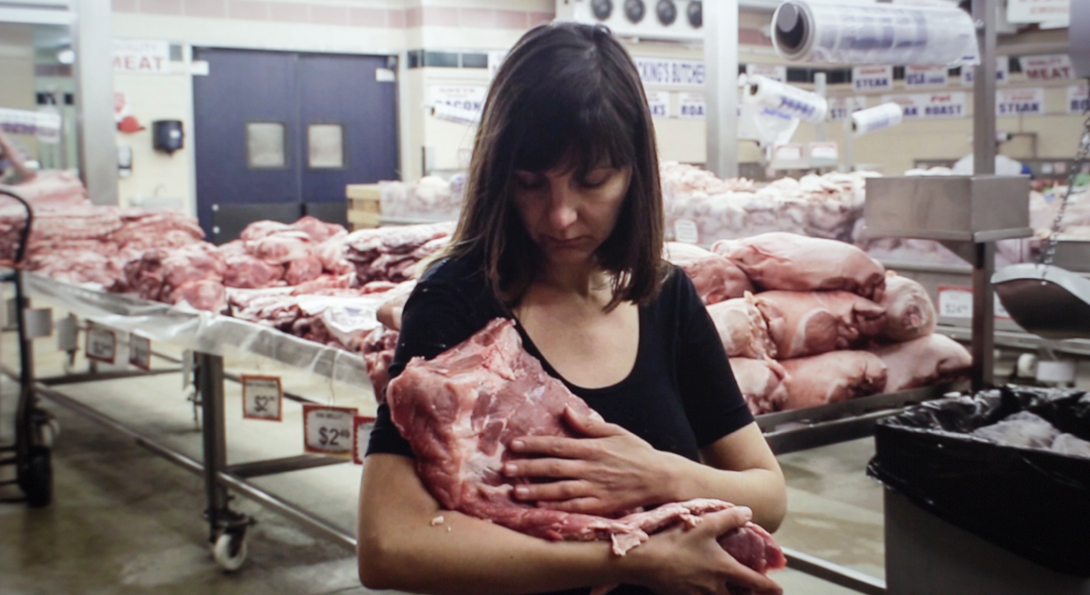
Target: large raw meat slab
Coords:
[[761, 382], [742, 328], [715, 278], [799, 263], [460, 412], [909, 311], [832, 378], [802, 323], [923, 362]]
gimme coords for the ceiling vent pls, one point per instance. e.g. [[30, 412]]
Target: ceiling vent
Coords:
[[676, 20]]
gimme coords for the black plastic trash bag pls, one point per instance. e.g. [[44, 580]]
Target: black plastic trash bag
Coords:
[[1031, 501]]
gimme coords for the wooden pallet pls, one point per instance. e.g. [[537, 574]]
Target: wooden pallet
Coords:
[[364, 205]]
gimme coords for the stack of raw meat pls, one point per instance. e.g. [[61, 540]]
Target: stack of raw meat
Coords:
[[821, 206], [391, 253], [490, 384], [273, 254], [430, 198], [824, 323]]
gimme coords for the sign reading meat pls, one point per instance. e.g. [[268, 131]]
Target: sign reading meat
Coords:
[[1047, 68]]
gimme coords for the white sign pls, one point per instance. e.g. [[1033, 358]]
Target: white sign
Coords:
[[328, 430], [673, 73], [823, 151], [494, 61], [361, 429], [686, 231], [842, 107], [872, 78], [1078, 99], [772, 71], [927, 106], [136, 56], [262, 397], [1052, 67], [1002, 72], [926, 76], [659, 103], [1057, 12], [1020, 102], [957, 302], [787, 153], [691, 105], [463, 97], [140, 351], [101, 345]]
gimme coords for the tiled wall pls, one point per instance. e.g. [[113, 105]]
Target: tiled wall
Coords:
[[339, 14]]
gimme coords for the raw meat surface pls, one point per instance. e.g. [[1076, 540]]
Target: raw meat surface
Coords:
[[378, 353], [798, 263], [246, 271], [459, 412], [281, 247], [1020, 429], [302, 270], [761, 382], [909, 311], [802, 323], [832, 377], [923, 362], [742, 328], [715, 278]]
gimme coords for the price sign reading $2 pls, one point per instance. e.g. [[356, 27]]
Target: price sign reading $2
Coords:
[[140, 352], [262, 397], [101, 345], [328, 430]]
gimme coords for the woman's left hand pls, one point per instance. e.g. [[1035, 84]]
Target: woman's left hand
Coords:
[[609, 470]]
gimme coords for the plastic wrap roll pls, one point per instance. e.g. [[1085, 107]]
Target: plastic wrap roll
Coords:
[[843, 32], [786, 99], [876, 118]]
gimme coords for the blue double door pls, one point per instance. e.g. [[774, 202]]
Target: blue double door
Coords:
[[280, 134]]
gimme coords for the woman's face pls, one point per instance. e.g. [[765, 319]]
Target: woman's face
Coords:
[[569, 216]]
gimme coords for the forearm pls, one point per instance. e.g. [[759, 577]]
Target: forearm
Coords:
[[760, 489]]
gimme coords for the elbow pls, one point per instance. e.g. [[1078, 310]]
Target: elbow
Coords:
[[775, 509], [372, 553]]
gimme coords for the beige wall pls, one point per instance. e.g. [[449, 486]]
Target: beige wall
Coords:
[[17, 76]]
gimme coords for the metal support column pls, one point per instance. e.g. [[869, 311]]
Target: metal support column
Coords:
[[820, 133], [23, 422], [96, 131], [721, 70], [983, 340], [210, 387]]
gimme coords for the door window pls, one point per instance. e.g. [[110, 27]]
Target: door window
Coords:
[[266, 145], [325, 143]]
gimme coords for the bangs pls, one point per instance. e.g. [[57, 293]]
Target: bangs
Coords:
[[574, 128]]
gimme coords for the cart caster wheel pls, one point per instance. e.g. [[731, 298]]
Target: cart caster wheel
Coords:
[[38, 481], [1027, 365], [48, 432], [229, 550]]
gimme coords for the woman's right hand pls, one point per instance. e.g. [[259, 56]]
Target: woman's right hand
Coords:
[[689, 560]]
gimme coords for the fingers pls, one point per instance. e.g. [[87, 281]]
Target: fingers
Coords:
[[587, 505], [727, 520], [558, 468], [590, 426], [748, 578], [555, 446], [557, 490]]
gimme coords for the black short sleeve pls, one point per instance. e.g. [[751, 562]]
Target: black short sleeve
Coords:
[[714, 405]]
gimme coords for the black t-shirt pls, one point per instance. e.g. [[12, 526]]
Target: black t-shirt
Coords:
[[680, 396]]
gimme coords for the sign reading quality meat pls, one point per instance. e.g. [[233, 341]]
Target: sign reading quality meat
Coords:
[[929, 105], [135, 56], [1053, 67], [1020, 102], [872, 78]]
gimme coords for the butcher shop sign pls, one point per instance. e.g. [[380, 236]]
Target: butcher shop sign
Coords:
[[926, 106], [872, 78], [141, 56], [1020, 102], [1053, 67]]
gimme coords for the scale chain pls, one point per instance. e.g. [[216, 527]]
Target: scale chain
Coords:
[[1082, 156]]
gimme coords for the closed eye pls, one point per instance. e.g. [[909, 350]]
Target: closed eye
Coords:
[[597, 177], [529, 180]]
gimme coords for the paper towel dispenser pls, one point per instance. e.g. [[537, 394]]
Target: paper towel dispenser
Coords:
[[167, 136]]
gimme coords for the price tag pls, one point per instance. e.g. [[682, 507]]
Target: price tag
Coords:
[[685, 230], [68, 334], [957, 302], [101, 345], [361, 429], [262, 397], [328, 430], [140, 351]]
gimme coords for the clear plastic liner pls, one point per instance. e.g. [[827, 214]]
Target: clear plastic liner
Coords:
[[845, 32], [201, 331]]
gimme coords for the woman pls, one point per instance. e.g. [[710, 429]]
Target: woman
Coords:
[[562, 231]]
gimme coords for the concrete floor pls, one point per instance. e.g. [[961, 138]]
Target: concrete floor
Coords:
[[126, 521]]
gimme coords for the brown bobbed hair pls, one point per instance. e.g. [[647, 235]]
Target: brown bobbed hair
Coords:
[[567, 95]]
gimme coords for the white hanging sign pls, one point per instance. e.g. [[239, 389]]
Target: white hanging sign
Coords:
[[1078, 99], [361, 429], [262, 397], [872, 78], [686, 231], [1020, 102], [1053, 67], [772, 71], [957, 302], [823, 151], [140, 351], [926, 106], [926, 76], [671, 73], [101, 345], [141, 56], [659, 103], [1002, 72], [328, 430], [842, 107], [1057, 12], [469, 98], [691, 105], [494, 61]]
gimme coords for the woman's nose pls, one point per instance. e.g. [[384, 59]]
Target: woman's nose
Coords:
[[562, 211]]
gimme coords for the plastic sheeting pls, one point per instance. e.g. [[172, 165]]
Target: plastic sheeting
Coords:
[[201, 331]]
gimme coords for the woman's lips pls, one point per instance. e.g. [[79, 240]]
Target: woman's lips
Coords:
[[568, 243]]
